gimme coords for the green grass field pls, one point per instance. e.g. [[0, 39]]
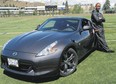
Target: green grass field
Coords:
[[98, 68]]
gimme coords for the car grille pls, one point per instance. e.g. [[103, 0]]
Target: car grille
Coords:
[[24, 66]]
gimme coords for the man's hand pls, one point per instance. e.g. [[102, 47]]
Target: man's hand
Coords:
[[96, 30]]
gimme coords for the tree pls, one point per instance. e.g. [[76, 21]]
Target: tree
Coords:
[[21, 13], [63, 3], [35, 12], [77, 9], [8, 13], [4, 1], [13, 5], [115, 7], [10, 5], [91, 7], [66, 7], [106, 6], [4, 13]]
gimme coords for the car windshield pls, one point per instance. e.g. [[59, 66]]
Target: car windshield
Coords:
[[59, 25]]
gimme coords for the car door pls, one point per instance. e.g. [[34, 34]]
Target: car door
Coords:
[[85, 36]]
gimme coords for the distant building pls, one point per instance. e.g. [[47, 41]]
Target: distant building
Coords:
[[11, 10], [41, 10], [87, 8], [61, 7]]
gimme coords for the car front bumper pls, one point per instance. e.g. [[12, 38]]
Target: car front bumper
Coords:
[[31, 65]]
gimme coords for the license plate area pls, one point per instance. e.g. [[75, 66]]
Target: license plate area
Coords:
[[13, 62]]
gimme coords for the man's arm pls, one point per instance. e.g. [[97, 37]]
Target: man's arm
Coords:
[[98, 18], [102, 18]]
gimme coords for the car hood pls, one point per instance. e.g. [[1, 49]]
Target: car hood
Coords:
[[34, 42]]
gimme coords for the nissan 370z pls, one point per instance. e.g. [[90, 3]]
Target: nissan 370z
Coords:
[[55, 46]]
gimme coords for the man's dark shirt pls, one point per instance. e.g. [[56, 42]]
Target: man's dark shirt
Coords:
[[97, 18]]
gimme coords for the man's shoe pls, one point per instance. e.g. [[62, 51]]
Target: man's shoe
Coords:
[[110, 51]]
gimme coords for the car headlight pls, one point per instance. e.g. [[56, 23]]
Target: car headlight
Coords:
[[48, 50], [5, 44]]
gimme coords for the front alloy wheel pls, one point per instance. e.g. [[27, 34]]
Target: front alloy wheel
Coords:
[[68, 62]]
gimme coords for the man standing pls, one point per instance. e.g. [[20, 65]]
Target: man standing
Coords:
[[98, 19]]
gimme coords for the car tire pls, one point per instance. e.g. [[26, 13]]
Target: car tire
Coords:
[[68, 63]]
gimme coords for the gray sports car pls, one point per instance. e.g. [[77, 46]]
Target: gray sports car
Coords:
[[55, 47]]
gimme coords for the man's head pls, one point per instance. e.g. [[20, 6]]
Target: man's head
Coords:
[[98, 6]]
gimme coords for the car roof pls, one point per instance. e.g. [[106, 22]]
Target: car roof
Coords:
[[67, 17]]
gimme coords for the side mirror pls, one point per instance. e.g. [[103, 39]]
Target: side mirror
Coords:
[[86, 27], [38, 27]]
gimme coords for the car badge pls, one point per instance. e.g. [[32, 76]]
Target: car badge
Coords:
[[14, 53]]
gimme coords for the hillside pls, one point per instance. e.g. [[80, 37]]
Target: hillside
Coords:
[[16, 3]]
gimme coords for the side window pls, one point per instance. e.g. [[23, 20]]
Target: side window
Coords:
[[85, 23]]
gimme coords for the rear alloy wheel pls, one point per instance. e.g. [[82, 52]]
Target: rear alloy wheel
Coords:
[[68, 62]]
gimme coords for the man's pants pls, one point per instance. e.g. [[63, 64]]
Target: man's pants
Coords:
[[100, 41]]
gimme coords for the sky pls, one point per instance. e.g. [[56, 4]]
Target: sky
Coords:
[[71, 2]]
